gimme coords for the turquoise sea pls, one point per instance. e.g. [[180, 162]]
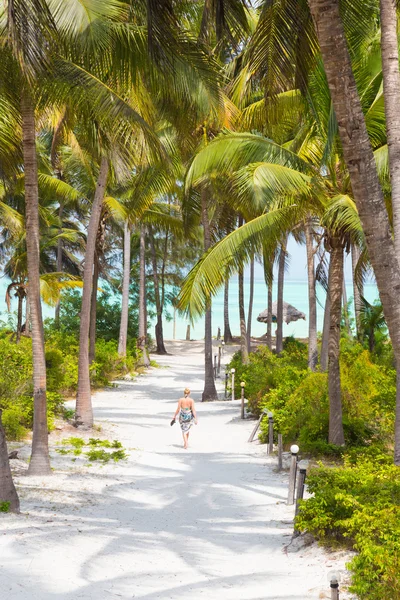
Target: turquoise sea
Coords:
[[295, 293]]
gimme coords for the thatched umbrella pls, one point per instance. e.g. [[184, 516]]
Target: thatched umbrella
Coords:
[[290, 313]]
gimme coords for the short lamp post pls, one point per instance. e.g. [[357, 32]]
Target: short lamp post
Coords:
[[222, 348], [334, 583], [270, 433], [292, 474], [242, 384], [233, 383]]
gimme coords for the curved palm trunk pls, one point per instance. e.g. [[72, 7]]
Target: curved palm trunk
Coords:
[[84, 411], [159, 325], [391, 94], [279, 308], [251, 300], [39, 463], [360, 161], [325, 332], [209, 391], [93, 312], [8, 493], [312, 301], [242, 318], [145, 361], [336, 433], [123, 328], [357, 293], [227, 328]]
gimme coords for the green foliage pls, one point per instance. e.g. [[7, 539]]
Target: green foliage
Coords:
[[4, 506], [299, 398], [97, 449], [62, 350], [108, 313], [359, 505]]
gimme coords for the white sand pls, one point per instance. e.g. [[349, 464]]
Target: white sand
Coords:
[[207, 523]]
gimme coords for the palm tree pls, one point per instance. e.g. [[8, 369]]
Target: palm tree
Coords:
[[8, 493], [391, 90], [312, 299], [123, 330], [362, 168], [372, 319]]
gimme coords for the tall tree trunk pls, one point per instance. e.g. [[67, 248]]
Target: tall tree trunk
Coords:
[[391, 94], [325, 332], [59, 265], [279, 309], [268, 277], [8, 493], [364, 179], [145, 361], [227, 328], [123, 328], [39, 463], [209, 391], [28, 324], [346, 309], [269, 316], [242, 318], [93, 312], [336, 433], [312, 300], [357, 293], [159, 325], [20, 295], [84, 411], [251, 300]]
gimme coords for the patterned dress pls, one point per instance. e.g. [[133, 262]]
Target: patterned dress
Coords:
[[186, 419]]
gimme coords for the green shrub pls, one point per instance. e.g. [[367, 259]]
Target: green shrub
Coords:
[[4, 506], [359, 505], [12, 419]]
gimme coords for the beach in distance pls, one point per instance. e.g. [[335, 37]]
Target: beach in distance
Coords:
[[295, 293]]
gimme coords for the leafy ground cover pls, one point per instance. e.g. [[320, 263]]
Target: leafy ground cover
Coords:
[[62, 376], [96, 450], [355, 499]]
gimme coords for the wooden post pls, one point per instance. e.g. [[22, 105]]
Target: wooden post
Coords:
[[270, 433], [215, 366], [226, 383], [233, 383], [174, 327], [334, 587], [219, 360], [292, 474], [242, 384], [257, 425], [280, 452], [188, 333]]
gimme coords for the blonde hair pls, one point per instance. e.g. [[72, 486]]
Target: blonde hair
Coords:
[[186, 391]]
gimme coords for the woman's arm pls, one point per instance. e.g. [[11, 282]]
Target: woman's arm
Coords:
[[194, 412], [178, 408]]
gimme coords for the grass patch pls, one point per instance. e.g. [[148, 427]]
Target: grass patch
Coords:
[[98, 450]]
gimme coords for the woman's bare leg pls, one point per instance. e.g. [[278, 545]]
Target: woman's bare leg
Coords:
[[185, 440]]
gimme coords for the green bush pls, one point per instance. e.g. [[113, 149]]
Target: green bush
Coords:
[[299, 398], [359, 505], [12, 419]]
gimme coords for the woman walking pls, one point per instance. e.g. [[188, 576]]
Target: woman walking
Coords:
[[187, 415]]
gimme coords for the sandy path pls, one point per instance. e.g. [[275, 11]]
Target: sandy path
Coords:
[[210, 522]]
